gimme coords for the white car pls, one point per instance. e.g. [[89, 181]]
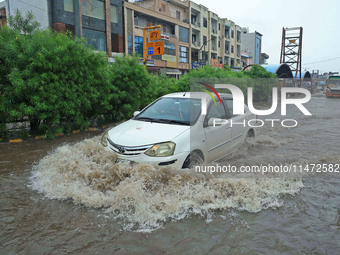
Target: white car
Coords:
[[171, 131]]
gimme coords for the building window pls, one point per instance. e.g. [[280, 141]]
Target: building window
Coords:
[[232, 48], [139, 45], [219, 26], [93, 8], [178, 15], [204, 40], [130, 44], [183, 34], [95, 39], [164, 28], [205, 22], [68, 5], [114, 14], [193, 38], [150, 23], [219, 44], [183, 54], [169, 49], [232, 33], [193, 19]]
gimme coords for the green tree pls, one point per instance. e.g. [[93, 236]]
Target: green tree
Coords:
[[25, 25], [132, 87], [51, 79]]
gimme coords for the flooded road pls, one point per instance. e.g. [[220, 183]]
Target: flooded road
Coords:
[[68, 197]]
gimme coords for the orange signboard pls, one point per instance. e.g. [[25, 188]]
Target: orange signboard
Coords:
[[155, 48], [155, 35]]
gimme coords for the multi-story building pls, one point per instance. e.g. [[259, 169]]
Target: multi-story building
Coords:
[[214, 41], [252, 42], [99, 22], [173, 16], [3, 17], [39, 8]]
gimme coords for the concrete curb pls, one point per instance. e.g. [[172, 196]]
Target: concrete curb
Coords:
[[16, 141], [76, 131]]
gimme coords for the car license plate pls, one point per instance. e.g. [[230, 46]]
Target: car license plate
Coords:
[[124, 161]]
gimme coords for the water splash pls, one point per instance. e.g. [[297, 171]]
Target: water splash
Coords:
[[144, 197]]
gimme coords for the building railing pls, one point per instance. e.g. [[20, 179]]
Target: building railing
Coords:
[[196, 23], [197, 44]]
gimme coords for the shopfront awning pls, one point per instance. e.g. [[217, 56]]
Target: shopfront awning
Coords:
[[171, 71]]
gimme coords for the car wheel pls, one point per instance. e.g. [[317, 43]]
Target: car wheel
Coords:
[[192, 160]]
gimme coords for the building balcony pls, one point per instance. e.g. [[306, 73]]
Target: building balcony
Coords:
[[214, 31], [213, 48], [227, 52], [196, 24], [196, 44]]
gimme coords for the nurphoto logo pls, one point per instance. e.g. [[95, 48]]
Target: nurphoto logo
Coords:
[[239, 106]]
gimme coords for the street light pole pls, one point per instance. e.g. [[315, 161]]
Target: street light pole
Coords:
[[204, 47]]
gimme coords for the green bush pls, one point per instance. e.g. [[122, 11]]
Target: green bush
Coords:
[[51, 79], [131, 87], [215, 75]]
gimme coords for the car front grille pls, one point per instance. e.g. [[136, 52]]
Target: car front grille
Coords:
[[127, 150]]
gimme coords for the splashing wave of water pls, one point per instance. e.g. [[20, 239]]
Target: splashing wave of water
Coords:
[[145, 196]]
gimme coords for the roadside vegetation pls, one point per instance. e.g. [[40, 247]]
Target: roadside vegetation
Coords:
[[55, 83]]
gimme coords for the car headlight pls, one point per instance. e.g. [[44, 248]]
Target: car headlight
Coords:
[[161, 150], [104, 139]]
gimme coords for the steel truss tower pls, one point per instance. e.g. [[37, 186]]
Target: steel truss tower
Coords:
[[291, 50]]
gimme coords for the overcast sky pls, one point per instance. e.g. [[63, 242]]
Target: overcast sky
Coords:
[[320, 21]]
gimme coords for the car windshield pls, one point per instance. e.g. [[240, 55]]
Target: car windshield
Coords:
[[176, 111]]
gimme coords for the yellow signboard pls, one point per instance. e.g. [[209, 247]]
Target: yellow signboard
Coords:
[[155, 35], [155, 48]]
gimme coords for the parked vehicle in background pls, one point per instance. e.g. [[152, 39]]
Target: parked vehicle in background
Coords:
[[333, 86], [172, 131]]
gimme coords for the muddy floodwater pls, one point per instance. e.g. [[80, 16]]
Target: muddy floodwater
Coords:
[[68, 196]]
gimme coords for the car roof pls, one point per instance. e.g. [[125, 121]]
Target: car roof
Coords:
[[197, 95]]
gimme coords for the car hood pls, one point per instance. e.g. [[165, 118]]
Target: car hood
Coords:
[[138, 133]]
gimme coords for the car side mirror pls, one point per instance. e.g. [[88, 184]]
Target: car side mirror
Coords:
[[213, 122], [136, 113]]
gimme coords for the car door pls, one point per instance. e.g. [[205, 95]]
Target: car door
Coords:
[[218, 138], [239, 124]]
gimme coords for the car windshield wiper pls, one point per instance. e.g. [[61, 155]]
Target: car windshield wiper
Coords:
[[167, 121], [180, 122], [146, 119]]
